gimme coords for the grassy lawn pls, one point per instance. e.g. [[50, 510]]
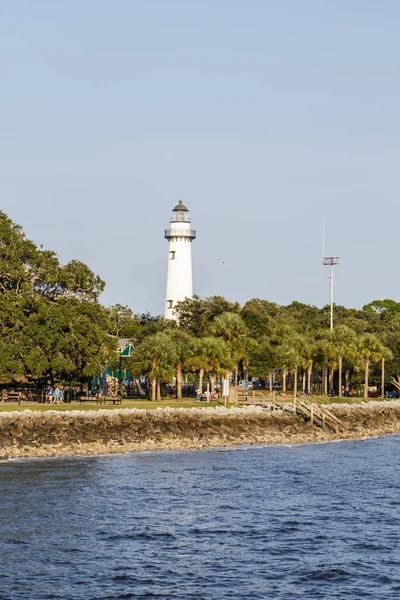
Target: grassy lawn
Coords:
[[351, 400], [144, 404], [148, 405]]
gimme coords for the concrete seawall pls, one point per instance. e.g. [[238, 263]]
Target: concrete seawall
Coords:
[[52, 433]]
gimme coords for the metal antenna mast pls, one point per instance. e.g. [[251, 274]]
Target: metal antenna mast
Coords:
[[331, 261]]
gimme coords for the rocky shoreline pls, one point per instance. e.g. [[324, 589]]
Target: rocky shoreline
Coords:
[[52, 433]]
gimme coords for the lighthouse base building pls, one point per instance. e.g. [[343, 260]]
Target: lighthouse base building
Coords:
[[179, 275]]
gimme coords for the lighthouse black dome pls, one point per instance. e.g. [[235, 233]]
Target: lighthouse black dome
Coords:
[[181, 206]]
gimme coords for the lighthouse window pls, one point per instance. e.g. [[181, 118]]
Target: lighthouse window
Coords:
[[172, 255], [169, 303]]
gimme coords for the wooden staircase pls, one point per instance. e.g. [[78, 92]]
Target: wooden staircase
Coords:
[[318, 414], [303, 406], [309, 410]]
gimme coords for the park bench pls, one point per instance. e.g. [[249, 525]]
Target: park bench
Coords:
[[105, 399], [10, 396], [83, 399], [100, 399]]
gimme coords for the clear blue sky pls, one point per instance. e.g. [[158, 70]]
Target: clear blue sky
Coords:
[[265, 116]]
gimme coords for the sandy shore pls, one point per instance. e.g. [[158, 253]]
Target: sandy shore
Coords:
[[35, 434]]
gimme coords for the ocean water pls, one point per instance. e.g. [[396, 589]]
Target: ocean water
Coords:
[[308, 521]]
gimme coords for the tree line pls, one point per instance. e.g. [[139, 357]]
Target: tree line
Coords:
[[53, 328], [261, 339]]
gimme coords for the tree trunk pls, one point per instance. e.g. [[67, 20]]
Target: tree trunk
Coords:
[[340, 375], [212, 382], [331, 381], [284, 374], [295, 391], [153, 389], [246, 371], [139, 387], [325, 381], [366, 379], [347, 380], [179, 382], [383, 378], [309, 373], [236, 376], [159, 390], [270, 383], [201, 375]]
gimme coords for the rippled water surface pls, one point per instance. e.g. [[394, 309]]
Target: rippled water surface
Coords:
[[306, 522]]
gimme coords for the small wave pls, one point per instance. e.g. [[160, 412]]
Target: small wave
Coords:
[[137, 536], [233, 532], [370, 546], [133, 579], [333, 574]]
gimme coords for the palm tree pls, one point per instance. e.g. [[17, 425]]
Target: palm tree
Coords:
[[340, 344], [231, 328], [293, 355], [210, 356], [262, 358], [181, 341], [369, 350], [320, 361], [279, 334], [198, 357], [309, 354], [154, 357], [387, 355]]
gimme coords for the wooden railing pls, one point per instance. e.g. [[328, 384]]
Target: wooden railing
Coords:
[[301, 405], [317, 413]]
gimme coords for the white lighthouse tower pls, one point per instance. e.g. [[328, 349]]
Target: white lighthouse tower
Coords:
[[179, 277]]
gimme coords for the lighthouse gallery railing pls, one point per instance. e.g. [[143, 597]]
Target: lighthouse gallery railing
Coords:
[[180, 233]]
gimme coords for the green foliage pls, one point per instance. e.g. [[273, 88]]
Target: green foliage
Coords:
[[155, 357], [122, 322], [195, 314], [341, 343], [370, 348], [262, 358], [381, 306], [182, 353], [212, 355], [293, 353], [263, 337], [51, 324], [260, 316], [231, 328]]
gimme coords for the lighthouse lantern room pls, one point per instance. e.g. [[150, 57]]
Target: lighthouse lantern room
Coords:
[[179, 276]]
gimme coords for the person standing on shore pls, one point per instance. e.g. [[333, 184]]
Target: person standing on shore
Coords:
[[50, 394], [57, 395]]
